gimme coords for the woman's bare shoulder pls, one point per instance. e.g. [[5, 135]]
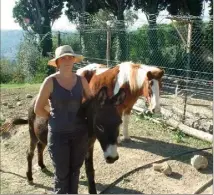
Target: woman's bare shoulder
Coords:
[[48, 82], [49, 78]]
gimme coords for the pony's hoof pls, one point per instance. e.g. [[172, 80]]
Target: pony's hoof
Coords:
[[44, 168], [119, 140], [126, 139], [30, 182]]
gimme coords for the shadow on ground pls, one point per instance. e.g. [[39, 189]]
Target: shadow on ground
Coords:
[[166, 149], [33, 184], [114, 190]]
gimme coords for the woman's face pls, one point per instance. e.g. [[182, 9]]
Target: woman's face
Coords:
[[66, 63]]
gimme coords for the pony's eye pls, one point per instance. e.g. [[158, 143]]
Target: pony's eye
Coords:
[[100, 128]]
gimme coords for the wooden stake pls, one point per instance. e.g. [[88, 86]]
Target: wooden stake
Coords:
[[108, 45]]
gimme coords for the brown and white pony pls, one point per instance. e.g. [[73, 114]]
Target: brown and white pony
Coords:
[[137, 80]]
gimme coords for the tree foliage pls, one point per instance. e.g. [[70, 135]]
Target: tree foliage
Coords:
[[37, 16]]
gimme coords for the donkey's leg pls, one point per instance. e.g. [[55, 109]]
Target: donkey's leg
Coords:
[[40, 148], [30, 154], [89, 167]]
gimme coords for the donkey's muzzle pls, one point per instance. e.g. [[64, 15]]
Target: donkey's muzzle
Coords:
[[111, 160]]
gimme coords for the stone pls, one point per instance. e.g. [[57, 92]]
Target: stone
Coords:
[[19, 103], [163, 168], [199, 162], [4, 103], [10, 106], [17, 98], [29, 96]]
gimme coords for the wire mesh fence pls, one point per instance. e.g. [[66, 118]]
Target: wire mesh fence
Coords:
[[185, 54]]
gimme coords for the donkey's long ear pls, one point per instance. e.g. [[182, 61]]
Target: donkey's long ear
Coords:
[[83, 108], [102, 95], [119, 97]]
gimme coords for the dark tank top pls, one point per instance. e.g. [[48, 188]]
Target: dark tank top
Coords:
[[64, 105]]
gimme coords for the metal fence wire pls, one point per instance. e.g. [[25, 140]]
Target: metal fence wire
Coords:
[[183, 48]]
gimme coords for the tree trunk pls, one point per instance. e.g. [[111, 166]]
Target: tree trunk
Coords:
[[122, 54], [46, 43], [154, 54]]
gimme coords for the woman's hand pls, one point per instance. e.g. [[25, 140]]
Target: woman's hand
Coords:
[[42, 99], [87, 91]]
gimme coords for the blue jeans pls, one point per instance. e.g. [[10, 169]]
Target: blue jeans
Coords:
[[67, 151]]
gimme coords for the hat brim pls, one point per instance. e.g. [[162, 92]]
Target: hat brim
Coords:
[[78, 58]]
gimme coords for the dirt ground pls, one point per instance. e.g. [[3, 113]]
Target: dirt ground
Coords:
[[150, 142]]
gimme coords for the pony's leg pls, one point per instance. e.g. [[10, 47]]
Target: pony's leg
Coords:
[[30, 154], [126, 117], [120, 111], [118, 138], [40, 148], [89, 167]]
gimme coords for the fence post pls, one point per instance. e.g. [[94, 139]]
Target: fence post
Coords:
[[108, 43], [128, 44], [188, 51], [58, 39]]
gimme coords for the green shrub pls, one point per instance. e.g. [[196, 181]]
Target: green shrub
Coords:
[[6, 72]]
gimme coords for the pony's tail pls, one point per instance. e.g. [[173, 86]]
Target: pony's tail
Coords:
[[6, 127]]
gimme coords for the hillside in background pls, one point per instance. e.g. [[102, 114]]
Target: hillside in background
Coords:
[[10, 41]]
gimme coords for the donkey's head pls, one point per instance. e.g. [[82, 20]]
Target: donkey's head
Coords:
[[106, 122]]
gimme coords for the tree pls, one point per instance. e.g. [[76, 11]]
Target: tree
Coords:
[[209, 28], [151, 8], [193, 8], [78, 12], [37, 16], [118, 8]]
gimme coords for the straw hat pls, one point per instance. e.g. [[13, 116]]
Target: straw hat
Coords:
[[65, 50]]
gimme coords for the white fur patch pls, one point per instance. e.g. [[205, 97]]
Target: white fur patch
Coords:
[[155, 100], [111, 151], [149, 68], [101, 70], [93, 66]]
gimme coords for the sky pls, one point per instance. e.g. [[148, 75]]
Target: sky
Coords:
[[7, 20]]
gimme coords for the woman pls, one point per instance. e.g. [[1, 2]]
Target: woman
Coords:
[[67, 144]]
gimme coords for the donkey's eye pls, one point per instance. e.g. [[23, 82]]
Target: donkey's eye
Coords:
[[100, 128]]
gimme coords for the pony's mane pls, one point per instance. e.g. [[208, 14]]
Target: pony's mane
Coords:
[[131, 74]]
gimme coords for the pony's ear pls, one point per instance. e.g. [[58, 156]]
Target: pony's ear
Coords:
[[119, 97], [149, 75], [102, 95], [155, 74], [160, 74]]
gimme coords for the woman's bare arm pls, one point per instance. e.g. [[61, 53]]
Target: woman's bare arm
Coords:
[[42, 99], [87, 91]]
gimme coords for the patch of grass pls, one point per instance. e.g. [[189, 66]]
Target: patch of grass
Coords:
[[140, 126], [1, 122], [19, 85], [179, 136]]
